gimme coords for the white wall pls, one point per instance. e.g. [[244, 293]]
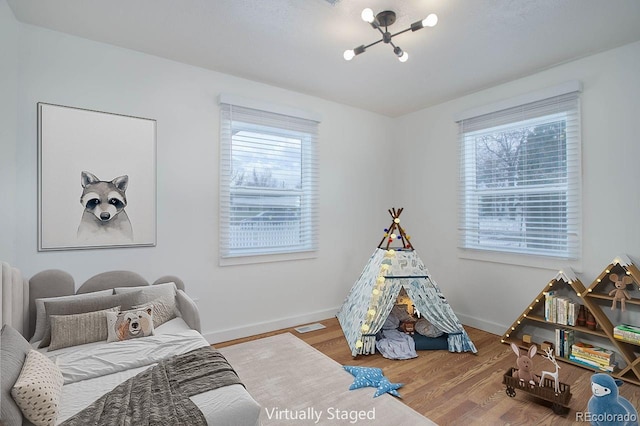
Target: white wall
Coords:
[[8, 130], [355, 185], [491, 295], [67, 70]]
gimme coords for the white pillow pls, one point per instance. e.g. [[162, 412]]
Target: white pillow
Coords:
[[150, 292], [41, 314], [38, 389]]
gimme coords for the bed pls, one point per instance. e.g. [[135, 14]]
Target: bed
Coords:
[[90, 370]]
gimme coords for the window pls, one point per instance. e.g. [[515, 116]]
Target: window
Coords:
[[268, 182], [520, 178]]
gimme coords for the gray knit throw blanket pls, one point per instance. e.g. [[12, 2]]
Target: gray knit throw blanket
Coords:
[[160, 394]]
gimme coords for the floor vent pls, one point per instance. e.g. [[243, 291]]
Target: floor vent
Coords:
[[310, 327]]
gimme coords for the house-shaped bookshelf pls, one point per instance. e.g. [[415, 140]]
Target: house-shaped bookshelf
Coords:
[[541, 328], [599, 298]]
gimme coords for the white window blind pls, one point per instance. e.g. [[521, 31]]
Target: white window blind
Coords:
[[520, 179], [268, 182]]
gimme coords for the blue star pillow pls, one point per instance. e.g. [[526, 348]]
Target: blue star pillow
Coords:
[[364, 376], [384, 386]]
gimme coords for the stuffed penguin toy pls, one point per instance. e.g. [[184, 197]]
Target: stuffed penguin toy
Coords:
[[606, 407]]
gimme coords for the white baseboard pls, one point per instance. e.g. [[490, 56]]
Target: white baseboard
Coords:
[[484, 325], [267, 326]]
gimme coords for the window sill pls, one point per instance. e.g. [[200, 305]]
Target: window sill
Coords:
[[265, 258], [530, 261]]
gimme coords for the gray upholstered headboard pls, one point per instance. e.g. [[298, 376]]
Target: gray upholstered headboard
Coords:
[[14, 305], [19, 294]]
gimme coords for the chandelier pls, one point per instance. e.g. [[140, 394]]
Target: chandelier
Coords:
[[386, 19]]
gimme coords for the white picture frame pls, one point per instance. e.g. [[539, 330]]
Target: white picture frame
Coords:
[[96, 179]]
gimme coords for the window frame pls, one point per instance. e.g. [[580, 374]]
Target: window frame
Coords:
[[278, 118], [469, 247]]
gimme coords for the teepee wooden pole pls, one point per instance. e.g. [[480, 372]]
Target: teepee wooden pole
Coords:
[[395, 214]]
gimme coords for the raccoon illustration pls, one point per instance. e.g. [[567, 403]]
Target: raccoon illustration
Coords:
[[104, 219]]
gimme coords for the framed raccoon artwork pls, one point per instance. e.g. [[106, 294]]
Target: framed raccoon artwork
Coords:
[[96, 179]]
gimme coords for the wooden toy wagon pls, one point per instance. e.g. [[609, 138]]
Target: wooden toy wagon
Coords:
[[559, 400]]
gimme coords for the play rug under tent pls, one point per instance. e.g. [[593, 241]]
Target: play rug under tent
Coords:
[[392, 272]]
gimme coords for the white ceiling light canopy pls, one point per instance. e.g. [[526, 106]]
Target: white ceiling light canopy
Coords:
[[385, 19]]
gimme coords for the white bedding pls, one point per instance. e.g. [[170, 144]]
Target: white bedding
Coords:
[[93, 369]]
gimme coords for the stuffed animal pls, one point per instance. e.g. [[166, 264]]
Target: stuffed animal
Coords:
[[132, 324], [620, 292], [606, 406], [525, 364]]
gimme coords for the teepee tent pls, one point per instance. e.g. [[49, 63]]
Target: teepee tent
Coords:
[[374, 294]]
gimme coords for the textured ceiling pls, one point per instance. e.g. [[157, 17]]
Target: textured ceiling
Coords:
[[298, 44]]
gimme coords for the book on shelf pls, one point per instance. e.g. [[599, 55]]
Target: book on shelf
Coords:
[[559, 309], [564, 342], [629, 333], [600, 361], [593, 365], [593, 350], [593, 355], [549, 308], [573, 313]]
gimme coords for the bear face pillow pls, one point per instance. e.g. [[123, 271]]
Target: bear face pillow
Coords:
[[131, 324]]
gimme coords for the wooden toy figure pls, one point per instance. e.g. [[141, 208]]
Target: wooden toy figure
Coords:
[[620, 292], [554, 375]]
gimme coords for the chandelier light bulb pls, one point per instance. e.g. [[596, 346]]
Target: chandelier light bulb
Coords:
[[367, 15], [402, 57], [430, 21], [349, 54]]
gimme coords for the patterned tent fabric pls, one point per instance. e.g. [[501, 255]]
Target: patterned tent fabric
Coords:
[[374, 294]]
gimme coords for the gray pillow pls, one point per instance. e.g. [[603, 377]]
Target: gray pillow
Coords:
[[425, 328], [83, 305], [391, 323], [41, 315], [149, 292], [13, 351], [164, 309], [79, 329]]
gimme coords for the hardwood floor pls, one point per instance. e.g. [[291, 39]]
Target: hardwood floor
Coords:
[[457, 389]]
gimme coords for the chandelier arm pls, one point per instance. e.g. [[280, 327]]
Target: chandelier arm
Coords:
[[372, 44], [401, 32], [377, 27]]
